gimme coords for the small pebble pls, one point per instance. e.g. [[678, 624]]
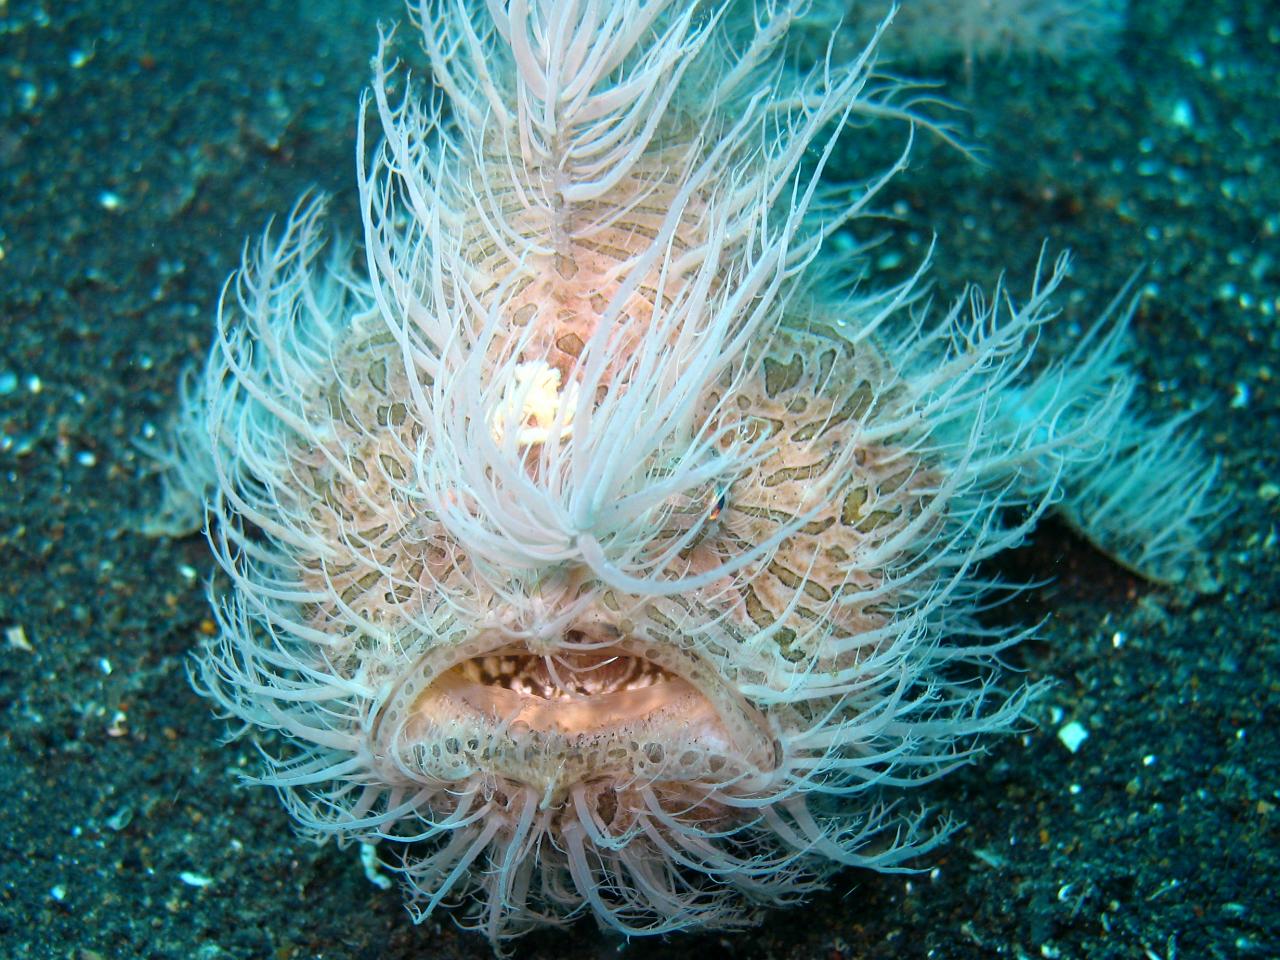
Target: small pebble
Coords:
[[1072, 735]]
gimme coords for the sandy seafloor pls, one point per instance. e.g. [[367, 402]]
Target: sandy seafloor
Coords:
[[141, 141]]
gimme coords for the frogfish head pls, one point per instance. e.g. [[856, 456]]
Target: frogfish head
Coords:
[[622, 657]]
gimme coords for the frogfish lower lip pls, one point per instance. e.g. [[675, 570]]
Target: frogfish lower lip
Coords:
[[550, 721]]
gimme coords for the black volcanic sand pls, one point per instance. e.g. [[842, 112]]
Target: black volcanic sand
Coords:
[[143, 141]]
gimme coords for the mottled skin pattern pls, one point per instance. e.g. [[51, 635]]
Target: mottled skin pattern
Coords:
[[807, 393]]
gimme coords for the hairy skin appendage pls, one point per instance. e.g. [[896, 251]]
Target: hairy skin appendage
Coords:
[[592, 542]]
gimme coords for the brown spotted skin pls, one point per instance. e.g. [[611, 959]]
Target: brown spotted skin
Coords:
[[556, 300], [812, 393]]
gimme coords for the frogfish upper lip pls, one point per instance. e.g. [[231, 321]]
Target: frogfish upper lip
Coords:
[[624, 710]]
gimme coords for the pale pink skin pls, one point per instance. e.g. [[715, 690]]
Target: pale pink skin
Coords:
[[584, 549]]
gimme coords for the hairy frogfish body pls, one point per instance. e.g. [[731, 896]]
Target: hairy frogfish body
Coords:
[[595, 542]]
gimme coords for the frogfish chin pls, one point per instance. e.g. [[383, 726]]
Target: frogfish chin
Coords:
[[595, 542]]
